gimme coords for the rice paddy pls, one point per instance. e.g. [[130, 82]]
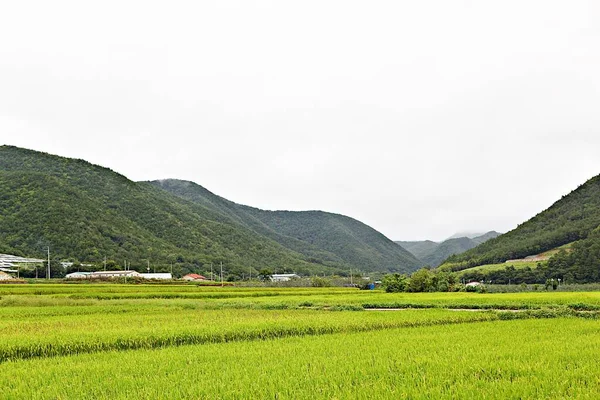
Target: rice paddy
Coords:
[[156, 342]]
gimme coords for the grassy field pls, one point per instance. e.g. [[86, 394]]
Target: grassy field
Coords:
[[517, 264], [501, 266], [153, 342]]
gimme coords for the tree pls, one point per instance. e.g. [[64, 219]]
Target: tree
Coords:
[[265, 274], [421, 281], [394, 283], [317, 281]]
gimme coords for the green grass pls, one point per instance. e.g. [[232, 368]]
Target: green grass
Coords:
[[501, 266], [516, 264], [53, 335], [155, 341], [113, 297], [494, 360], [552, 252]]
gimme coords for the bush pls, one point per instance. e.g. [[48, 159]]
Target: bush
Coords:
[[320, 282]]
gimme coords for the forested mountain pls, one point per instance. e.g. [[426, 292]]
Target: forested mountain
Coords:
[[571, 218], [419, 248], [433, 253], [324, 238], [485, 237], [581, 264], [85, 213]]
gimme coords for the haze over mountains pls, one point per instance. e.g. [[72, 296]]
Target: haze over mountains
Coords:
[[86, 212], [434, 253]]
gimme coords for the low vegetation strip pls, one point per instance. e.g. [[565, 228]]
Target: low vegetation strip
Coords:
[[59, 337]]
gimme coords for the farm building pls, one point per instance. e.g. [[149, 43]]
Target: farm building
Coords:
[[117, 274], [283, 277], [78, 275], [157, 275], [473, 284], [114, 274], [194, 277], [10, 261]]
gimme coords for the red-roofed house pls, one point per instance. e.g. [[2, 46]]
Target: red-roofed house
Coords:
[[194, 277]]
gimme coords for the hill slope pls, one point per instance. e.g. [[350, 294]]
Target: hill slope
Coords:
[[85, 212], [571, 218], [322, 237], [433, 254], [419, 249]]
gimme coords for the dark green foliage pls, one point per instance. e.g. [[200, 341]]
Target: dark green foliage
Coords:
[[265, 274], [324, 238], [393, 283], [581, 264], [423, 280], [317, 281], [85, 213], [571, 218]]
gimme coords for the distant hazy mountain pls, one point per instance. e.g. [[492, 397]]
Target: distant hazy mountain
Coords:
[[470, 235], [434, 253], [85, 213], [419, 248]]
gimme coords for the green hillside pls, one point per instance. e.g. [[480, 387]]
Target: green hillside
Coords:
[[570, 219], [433, 254], [419, 249], [324, 238], [448, 248], [581, 264], [85, 213]]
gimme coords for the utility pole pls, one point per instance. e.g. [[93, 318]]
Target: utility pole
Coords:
[[48, 274], [250, 274], [221, 273], [211, 272], [148, 268], [351, 282], [105, 263]]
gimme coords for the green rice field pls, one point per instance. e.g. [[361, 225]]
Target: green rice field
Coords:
[[106, 341]]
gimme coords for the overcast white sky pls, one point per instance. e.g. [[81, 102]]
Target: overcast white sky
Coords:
[[419, 118]]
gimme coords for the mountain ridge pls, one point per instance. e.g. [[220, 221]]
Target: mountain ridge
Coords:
[[333, 237], [86, 212], [434, 253], [573, 217]]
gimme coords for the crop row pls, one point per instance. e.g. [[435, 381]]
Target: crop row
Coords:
[[493, 360], [108, 288], [54, 336], [284, 298]]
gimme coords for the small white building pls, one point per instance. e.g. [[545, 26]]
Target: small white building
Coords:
[[114, 274], [13, 260], [158, 275], [78, 275], [283, 277], [473, 284]]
